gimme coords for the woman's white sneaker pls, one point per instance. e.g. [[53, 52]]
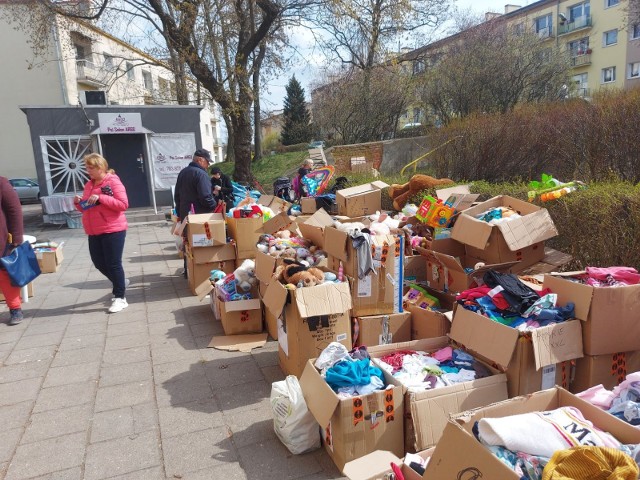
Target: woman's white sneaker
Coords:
[[117, 305]]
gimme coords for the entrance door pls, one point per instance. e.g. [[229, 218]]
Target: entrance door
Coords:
[[125, 154]]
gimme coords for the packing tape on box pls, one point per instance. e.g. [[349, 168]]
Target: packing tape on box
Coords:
[[389, 406], [619, 366], [357, 410], [207, 230]]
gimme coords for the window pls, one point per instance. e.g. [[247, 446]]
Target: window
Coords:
[[634, 70], [146, 79], [611, 3], [80, 52], [518, 29], [131, 74], [610, 38], [542, 25], [418, 66], [417, 114], [635, 32], [108, 61], [580, 11], [578, 47], [608, 74]]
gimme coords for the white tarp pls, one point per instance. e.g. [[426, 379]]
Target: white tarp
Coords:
[[170, 153]]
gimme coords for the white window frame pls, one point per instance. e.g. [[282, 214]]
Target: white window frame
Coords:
[[548, 25], [611, 3], [131, 73], [604, 74], [631, 70], [635, 32], [147, 75], [604, 38]]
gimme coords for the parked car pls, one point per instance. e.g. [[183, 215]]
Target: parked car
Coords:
[[27, 190], [317, 144], [411, 125]]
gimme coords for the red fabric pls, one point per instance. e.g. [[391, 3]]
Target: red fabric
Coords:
[[474, 293], [11, 293], [108, 216], [396, 359]]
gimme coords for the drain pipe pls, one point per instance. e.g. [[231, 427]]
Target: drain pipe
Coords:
[[63, 80]]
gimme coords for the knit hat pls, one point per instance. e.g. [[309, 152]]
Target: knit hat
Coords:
[[594, 463]]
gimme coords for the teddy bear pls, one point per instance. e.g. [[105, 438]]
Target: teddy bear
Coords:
[[245, 275], [401, 193], [299, 275]]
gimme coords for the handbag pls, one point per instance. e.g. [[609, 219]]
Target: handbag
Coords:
[[21, 264]]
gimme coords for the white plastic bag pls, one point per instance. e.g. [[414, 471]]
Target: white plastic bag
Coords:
[[293, 423]]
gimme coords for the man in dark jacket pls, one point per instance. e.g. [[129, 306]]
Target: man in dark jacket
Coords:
[[221, 186], [193, 187]]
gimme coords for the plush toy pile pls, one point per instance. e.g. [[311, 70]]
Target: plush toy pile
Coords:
[[236, 285], [297, 275], [284, 244]]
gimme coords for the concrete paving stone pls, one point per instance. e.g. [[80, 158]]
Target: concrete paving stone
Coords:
[[125, 395], [124, 422], [183, 390], [265, 358], [22, 371], [163, 328], [31, 354], [42, 340], [48, 327], [78, 356], [205, 316], [86, 329], [10, 439], [166, 372], [126, 341], [17, 392], [325, 461], [55, 423], [273, 374], [10, 336], [247, 396], [228, 471], [128, 328], [79, 373], [184, 343], [214, 355], [160, 303], [132, 313], [74, 473], [172, 353], [223, 374], [46, 456], [272, 461], [198, 450], [122, 456], [189, 417], [209, 329], [87, 318], [15, 416], [159, 317], [128, 355], [250, 426], [126, 373], [64, 396], [82, 341], [154, 473]]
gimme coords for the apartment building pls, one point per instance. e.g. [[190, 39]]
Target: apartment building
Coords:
[[83, 66], [604, 52]]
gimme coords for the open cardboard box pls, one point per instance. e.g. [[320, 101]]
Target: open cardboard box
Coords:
[[458, 453], [427, 412], [276, 204], [245, 232], [354, 427], [206, 230], [222, 253], [313, 227], [376, 465], [431, 323], [608, 370], [519, 239], [383, 329], [522, 355], [360, 200], [611, 314], [49, 258]]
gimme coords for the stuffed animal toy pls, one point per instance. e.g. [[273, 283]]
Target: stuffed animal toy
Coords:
[[349, 227], [216, 275], [401, 193], [245, 275], [417, 228], [294, 273], [283, 234]]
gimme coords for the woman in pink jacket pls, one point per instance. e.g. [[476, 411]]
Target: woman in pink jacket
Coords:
[[103, 204]]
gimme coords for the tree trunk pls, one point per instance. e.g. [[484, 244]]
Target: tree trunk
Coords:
[[257, 135], [242, 145]]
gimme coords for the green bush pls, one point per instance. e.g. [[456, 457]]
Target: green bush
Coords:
[[298, 147]]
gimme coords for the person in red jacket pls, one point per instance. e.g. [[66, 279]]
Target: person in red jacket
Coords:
[[103, 203], [10, 223]]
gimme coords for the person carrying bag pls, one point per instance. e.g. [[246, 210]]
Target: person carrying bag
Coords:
[[20, 263]]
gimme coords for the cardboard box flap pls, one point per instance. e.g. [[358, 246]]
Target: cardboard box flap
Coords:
[[449, 262], [483, 336], [265, 266], [471, 231], [335, 243], [275, 298], [313, 228], [204, 217], [242, 305], [524, 231], [204, 289], [372, 465], [325, 299], [279, 222], [360, 189], [320, 399], [557, 343], [444, 193], [569, 291]]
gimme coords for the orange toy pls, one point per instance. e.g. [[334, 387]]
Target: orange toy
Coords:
[[400, 194]]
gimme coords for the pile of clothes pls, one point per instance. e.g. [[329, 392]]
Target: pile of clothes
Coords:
[[622, 402], [421, 371], [505, 299], [608, 277]]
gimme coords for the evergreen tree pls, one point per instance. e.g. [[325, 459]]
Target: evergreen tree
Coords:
[[297, 126]]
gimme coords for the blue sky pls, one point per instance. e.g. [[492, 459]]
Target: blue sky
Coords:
[[309, 61]]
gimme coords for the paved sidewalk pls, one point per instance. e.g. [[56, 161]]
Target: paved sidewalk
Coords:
[[137, 394]]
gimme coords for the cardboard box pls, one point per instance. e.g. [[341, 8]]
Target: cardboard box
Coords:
[[382, 329], [49, 259], [354, 427], [223, 253], [206, 230], [522, 355], [241, 316], [379, 292], [276, 204], [376, 465], [477, 461], [431, 323], [278, 222], [245, 232], [309, 319], [361, 200], [308, 205], [520, 239], [197, 273], [427, 412], [414, 269], [29, 292], [611, 314], [313, 227], [608, 370], [271, 322]]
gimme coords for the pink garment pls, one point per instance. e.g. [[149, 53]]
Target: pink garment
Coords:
[[108, 216], [598, 396], [443, 354], [625, 275]]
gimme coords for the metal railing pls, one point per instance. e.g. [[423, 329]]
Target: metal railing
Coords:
[[577, 23], [88, 72], [579, 60]]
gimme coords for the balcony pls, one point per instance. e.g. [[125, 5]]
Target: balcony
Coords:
[[576, 24], [581, 60], [91, 74], [581, 92]]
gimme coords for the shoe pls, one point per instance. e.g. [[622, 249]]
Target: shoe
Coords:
[[117, 305], [16, 316]]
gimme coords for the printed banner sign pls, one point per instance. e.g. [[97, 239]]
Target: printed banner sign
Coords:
[[170, 153]]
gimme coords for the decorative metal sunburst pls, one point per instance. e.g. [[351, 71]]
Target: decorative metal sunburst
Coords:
[[64, 163]]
